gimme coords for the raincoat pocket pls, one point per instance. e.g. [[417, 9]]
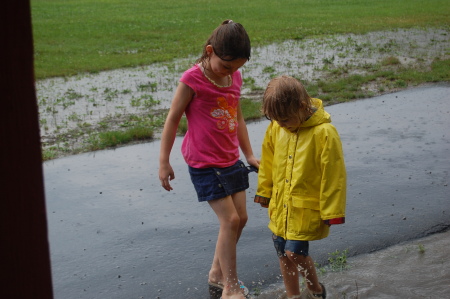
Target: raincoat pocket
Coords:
[[273, 206], [304, 217]]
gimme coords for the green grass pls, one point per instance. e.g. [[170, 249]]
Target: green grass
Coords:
[[74, 36], [421, 248], [338, 260], [113, 138], [251, 109], [339, 89], [84, 139]]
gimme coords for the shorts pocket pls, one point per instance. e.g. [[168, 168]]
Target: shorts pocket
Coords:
[[234, 178]]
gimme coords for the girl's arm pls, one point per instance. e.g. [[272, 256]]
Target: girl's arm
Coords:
[[244, 141], [334, 179], [183, 96], [265, 178]]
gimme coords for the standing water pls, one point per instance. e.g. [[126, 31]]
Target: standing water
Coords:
[[71, 106]]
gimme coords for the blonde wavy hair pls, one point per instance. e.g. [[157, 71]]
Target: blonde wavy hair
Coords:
[[286, 98]]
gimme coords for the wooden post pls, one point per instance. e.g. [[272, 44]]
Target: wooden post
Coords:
[[25, 260]]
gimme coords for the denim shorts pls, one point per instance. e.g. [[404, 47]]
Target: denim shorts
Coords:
[[297, 247], [214, 183]]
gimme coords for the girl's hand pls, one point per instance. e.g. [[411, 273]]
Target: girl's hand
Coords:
[[166, 174], [253, 161]]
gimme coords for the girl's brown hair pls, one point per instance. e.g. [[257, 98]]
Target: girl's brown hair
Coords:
[[286, 98], [230, 41]]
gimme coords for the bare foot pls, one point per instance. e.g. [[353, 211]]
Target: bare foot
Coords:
[[215, 278]]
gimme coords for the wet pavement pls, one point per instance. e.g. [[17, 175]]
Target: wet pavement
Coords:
[[115, 233]]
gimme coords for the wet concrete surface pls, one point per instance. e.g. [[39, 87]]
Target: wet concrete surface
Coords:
[[115, 233]]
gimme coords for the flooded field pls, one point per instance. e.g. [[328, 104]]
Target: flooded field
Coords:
[[73, 108], [416, 269]]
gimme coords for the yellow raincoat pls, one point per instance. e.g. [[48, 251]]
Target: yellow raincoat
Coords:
[[303, 175]]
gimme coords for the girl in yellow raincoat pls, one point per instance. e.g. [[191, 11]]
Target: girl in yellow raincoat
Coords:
[[301, 179]]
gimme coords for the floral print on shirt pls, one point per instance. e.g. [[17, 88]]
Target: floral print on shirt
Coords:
[[226, 113]]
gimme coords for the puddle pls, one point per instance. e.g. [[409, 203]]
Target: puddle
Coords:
[[90, 100]]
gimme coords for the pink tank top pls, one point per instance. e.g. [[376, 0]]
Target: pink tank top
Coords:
[[211, 139]]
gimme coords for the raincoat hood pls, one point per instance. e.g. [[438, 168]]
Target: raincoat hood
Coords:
[[320, 116]]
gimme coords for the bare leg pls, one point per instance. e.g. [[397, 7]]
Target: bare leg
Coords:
[[306, 266], [225, 255], [290, 271], [239, 201]]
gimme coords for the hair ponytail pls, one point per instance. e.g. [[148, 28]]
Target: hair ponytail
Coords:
[[230, 41]]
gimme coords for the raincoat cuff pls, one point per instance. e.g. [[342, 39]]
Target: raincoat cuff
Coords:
[[264, 201], [335, 221]]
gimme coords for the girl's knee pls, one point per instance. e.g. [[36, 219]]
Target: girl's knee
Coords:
[[243, 220], [232, 222]]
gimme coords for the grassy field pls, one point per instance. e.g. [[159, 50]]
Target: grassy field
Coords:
[[74, 36]]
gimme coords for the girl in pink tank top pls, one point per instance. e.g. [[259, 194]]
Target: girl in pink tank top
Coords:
[[209, 95]]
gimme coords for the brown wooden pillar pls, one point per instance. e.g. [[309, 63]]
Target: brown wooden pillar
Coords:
[[24, 255]]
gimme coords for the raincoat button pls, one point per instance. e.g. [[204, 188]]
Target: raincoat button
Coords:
[[284, 206], [218, 173], [290, 156], [287, 181]]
